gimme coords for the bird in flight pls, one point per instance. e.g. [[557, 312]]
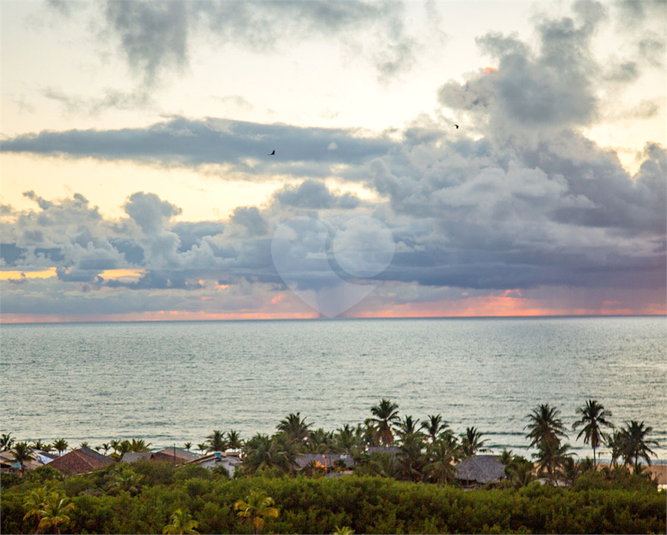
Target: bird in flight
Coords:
[[457, 126], [273, 153]]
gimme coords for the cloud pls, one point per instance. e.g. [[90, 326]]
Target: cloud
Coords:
[[517, 200], [314, 195], [153, 35], [242, 145], [112, 99]]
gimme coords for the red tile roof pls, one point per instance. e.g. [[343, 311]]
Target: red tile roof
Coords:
[[80, 461]]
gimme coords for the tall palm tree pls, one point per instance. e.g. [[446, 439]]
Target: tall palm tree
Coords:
[[408, 426], [257, 507], [187, 446], [434, 426], [544, 425], [441, 457], [295, 427], [471, 442], [593, 416], [614, 441], [635, 444], [385, 415], [551, 458], [216, 441], [22, 454], [60, 445], [234, 441], [105, 447], [181, 523], [6, 441], [202, 446]]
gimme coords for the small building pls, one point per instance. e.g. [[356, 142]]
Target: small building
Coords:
[[384, 450], [80, 461], [325, 461], [174, 455], [218, 459], [480, 470], [133, 457]]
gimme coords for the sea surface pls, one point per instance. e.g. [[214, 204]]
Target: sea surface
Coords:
[[172, 382]]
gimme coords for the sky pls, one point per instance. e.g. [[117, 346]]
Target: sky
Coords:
[[437, 158]]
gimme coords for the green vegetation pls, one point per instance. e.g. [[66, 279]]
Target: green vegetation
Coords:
[[612, 501], [410, 487]]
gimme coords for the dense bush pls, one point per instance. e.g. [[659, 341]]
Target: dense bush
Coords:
[[318, 505]]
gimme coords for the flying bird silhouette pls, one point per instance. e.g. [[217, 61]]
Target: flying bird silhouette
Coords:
[[273, 153], [457, 126]]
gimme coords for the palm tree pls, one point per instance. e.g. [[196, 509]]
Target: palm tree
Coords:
[[202, 446], [544, 425], [262, 452], [386, 414], [106, 447], [187, 445], [216, 441], [593, 415], [471, 442], [181, 523], [34, 502], [320, 441], [441, 458], [139, 446], [39, 445], [125, 480], [256, 507], [408, 426], [295, 427], [551, 458], [434, 426], [54, 512], [234, 441], [84, 445], [6, 441], [22, 454], [614, 441], [60, 445], [635, 444]]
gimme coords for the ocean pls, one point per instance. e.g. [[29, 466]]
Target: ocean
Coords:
[[175, 382]]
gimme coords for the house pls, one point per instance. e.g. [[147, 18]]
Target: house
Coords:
[[218, 459], [480, 470], [9, 464], [133, 457], [326, 461], [80, 461], [174, 455], [384, 450]]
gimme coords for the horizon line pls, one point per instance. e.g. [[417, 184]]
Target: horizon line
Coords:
[[337, 318]]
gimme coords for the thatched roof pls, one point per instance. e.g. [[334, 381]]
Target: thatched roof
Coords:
[[481, 469]]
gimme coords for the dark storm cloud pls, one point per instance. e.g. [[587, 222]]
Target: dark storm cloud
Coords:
[[197, 142]]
